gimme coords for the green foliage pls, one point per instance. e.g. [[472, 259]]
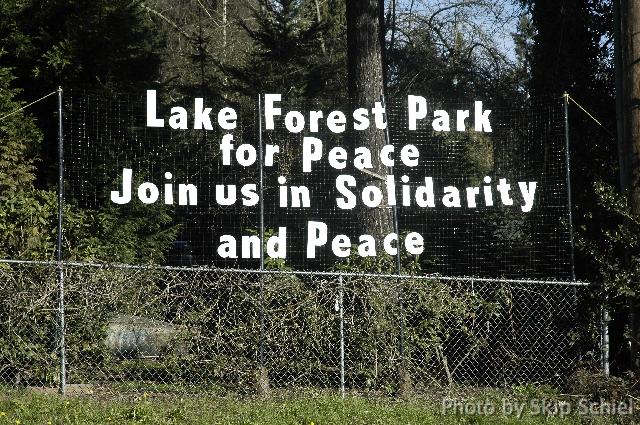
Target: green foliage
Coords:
[[616, 249], [523, 43], [102, 43], [288, 55], [380, 264], [28, 222], [270, 263], [432, 317], [27, 215], [443, 313], [290, 409], [27, 326], [219, 318], [58, 43], [569, 54], [19, 139], [113, 236], [477, 159]]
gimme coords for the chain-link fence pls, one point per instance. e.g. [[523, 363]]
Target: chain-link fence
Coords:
[[205, 330]]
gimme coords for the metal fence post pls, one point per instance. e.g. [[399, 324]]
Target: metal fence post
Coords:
[[263, 375], [59, 268], [260, 180], [341, 308], [396, 229], [568, 182], [567, 159]]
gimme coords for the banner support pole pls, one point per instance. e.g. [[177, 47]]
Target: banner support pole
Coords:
[[341, 307], [404, 374], [263, 376], [565, 98], [59, 268], [261, 183]]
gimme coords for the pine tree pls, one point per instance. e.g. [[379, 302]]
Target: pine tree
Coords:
[[288, 56]]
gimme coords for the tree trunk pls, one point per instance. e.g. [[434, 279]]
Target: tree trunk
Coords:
[[366, 86], [224, 27], [365, 67], [631, 47], [630, 166]]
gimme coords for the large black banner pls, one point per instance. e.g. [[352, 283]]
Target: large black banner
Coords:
[[477, 189]]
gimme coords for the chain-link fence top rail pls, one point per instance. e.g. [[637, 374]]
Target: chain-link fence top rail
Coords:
[[131, 329], [104, 135]]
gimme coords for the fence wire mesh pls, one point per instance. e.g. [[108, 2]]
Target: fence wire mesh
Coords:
[[220, 331]]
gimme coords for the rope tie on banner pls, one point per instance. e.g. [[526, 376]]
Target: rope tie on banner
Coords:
[[26, 106], [589, 115]]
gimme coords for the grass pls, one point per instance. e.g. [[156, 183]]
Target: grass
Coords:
[[21, 407]]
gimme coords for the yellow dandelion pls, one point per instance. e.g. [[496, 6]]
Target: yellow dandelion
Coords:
[[18, 422], [2, 414]]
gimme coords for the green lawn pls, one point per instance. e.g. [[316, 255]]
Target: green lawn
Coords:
[[28, 408]]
